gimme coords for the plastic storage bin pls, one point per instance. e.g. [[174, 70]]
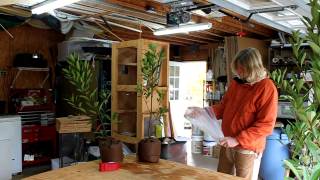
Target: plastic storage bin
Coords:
[[277, 150]]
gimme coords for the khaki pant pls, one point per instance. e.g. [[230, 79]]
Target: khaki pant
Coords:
[[245, 163]]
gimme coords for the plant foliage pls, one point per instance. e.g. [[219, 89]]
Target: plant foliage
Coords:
[[304, 97], [150, 68], [87, 100]]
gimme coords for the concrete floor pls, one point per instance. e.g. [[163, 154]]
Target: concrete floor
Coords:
[[26, 172]]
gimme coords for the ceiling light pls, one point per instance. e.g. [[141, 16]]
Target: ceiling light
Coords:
[[183, 29], [51, 5]]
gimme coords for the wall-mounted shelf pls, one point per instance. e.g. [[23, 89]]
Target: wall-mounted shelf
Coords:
[[20, 69]]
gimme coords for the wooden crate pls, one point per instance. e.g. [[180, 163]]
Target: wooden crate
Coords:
[[73, 124]]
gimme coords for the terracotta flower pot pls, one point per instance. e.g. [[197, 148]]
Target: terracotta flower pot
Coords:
[[110, 150], [149, 150]]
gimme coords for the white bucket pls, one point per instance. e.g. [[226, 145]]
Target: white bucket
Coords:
[[207, 148], [196, 144], [207, 137]]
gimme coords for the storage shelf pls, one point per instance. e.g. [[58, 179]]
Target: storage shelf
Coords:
[[126, 75], [43, 160], [32, 69], [127, 88], [128, 139], [20, 69], [126, 110], [128, 64], [162, 88], [38, 140]]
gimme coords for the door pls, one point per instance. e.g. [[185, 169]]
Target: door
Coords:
[[185, 89]]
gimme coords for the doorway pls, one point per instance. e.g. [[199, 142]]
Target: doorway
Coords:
[[185, 90]]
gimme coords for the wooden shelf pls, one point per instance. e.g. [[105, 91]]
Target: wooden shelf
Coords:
[[126, 111], [162, 88], [20, 69], [128, 64], [40, 161], [128, 139], [127, 88], [32, 69], [127, 57]]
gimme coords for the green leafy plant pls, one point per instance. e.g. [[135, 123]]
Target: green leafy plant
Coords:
[[304, 97], [150, 68], [86, 100]]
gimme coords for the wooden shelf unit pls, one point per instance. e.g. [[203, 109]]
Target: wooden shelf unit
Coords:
[[126, 75]]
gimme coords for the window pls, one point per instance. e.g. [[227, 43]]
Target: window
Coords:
[[174, 82]]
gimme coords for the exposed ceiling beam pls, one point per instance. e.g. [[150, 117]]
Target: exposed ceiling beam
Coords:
[[191, 38], [87, 8], [210, 33], [127, 11], [188, 38], [108, 31], [16, 11], [149, 35], [159, 8], [253, 28], [9, 2], [76, 11], [204, 37], [258, 18]]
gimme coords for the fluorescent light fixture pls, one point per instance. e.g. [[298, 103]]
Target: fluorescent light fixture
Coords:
[[183, 29], [51, 5]]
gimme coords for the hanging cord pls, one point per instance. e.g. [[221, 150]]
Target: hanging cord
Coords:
[[6, 31]]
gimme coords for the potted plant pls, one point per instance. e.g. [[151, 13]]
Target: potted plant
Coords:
[[149, 148], [87, 101], [303, 92]]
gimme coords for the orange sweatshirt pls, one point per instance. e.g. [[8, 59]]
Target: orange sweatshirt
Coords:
[[248, 113]]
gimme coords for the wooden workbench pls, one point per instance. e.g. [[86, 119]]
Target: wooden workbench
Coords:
[[133, 170]]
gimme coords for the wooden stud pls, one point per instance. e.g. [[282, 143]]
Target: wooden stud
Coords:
[[160, 8], [107, 30]]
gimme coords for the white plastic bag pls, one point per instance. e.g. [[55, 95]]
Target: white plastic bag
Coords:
[[204, 119]]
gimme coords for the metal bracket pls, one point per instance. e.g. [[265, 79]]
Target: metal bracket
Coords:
[[265, 10], [20, 69]]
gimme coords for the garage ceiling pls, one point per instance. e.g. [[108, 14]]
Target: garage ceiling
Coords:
[[124, 18]]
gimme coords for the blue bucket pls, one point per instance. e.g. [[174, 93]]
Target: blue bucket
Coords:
[[277, 150]]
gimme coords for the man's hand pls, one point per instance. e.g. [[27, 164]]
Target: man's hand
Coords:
[[229, 142]]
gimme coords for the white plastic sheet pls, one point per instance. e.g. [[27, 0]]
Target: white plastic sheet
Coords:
[[204, 119]]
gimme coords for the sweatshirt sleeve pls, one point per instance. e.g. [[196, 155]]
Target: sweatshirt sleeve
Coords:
[[218, 109], [265, 117]]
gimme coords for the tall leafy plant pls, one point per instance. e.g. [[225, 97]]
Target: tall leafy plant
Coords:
[[304, 97], [150, 68], [86, 100]]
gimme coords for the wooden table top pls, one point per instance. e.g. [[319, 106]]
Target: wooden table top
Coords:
[[133, 170]]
